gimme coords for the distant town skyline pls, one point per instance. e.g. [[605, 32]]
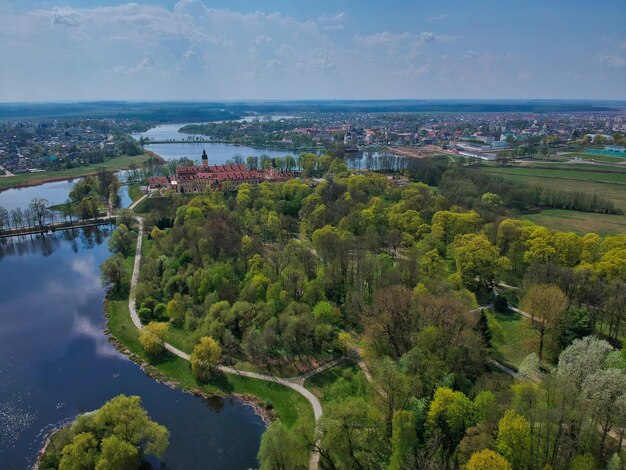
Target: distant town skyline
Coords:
[[281, 50]]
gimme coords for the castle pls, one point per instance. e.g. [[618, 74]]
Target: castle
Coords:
[[198, 179]]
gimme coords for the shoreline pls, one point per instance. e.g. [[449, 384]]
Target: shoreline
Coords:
[[254, 402], [50, 178]]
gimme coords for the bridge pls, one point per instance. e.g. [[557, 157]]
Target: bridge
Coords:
[[180, 141], [50, 228]]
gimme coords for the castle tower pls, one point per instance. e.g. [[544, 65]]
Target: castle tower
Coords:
[[205, 159]]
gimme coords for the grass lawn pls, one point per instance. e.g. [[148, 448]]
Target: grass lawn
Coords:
[[135, 192], [513, 338], [321, 384], [580, 222], [31, 179]]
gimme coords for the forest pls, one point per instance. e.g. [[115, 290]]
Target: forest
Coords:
[[394, 271]]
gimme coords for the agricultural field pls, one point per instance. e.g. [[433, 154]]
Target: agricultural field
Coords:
[[578, 174], [610, 185]]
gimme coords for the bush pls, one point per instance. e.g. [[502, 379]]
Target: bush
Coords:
[[145, 315], [501, 304]]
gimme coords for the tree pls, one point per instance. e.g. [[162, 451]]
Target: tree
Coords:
[[403, 441], [391, 321], [205, 357], [124, 417], [547, 304], [80, 454], [39, 209], [450, 413], [5, 221], [152, 337], [281, 450], [477, 260], [117, 454], [351, 435], [176, 310], [483, 328], [487, 459], [582, 358], [513, 440], [112, 272], [121, 240]]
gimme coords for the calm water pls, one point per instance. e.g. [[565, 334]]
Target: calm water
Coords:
[[56, 362], [56, 192], [218, 153]]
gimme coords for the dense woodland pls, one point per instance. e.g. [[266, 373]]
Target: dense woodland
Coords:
[[291, 274]]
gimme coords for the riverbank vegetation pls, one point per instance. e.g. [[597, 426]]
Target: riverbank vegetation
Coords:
[[286, 276], [32, 179], [117, 436]]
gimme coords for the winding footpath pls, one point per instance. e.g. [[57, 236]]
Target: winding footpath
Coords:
[[294, 383]]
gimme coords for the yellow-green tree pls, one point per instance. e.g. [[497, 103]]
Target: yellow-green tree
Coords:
[[205, 356], [80, 454], [477, 260], [487, 459], [450, 413], [513, 440], [117, 454], [152, 337]]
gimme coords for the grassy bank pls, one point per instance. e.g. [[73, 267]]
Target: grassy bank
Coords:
[[32, 179], [288, 405]]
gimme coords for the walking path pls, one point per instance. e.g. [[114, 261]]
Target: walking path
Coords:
[[294, 383]]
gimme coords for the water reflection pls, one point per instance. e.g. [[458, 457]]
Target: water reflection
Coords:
[[47, 244], [57, 362]]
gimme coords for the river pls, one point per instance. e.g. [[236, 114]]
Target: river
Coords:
[[57, 362]]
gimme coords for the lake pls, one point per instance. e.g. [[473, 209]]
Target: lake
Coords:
[[57, 361], [218, 152]]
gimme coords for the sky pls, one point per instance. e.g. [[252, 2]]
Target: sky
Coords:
[[202, 50]]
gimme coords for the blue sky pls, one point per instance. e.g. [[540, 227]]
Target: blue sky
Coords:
[[300, 49]]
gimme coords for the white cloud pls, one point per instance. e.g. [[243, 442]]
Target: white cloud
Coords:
[[438, 17], [332, 22], [387, 39], [64, 16], [613, 61], [147, 64]]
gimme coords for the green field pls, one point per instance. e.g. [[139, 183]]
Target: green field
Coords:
[[32, 179], [580, 222], [590, 174], [610, 185]]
